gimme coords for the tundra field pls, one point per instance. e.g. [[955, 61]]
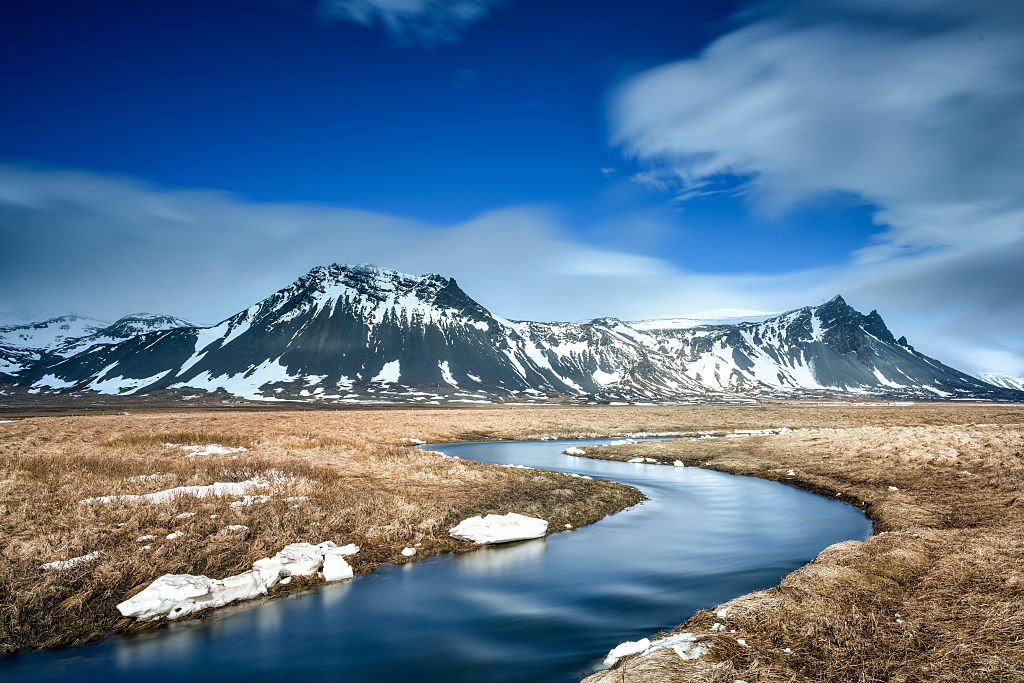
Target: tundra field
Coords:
[[936, 595]]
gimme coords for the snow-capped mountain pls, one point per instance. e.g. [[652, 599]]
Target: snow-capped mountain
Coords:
[[358, 333], [352, 332], [829, 347], [124, 328], [27, 344], [1004, 381], [48, 334]]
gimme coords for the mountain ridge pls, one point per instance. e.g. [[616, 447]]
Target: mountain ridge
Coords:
[[343, 333]]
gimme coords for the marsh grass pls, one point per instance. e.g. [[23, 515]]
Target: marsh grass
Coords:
[[936, 595], [949, 558], [343, 487]]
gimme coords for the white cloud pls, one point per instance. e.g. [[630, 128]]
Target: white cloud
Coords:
[[103, 246], [918, 107], [423, 22]]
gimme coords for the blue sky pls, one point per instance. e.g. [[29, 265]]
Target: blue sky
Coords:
[[634, 159], [274, 102]]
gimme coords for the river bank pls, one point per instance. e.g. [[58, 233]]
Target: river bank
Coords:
[[937, 594]]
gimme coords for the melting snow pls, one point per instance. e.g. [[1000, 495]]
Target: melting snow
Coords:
[[446, 374], [499, 528], [389, 373], [208, 449], [234, 488], [173, 596], [683, 644], [73, 562]]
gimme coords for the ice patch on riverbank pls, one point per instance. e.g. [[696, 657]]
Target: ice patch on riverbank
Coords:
[[684, 644], [499, 529], [173, 596]]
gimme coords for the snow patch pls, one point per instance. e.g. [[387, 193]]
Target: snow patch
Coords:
[[71, 563], [499, 529], [173, 596]]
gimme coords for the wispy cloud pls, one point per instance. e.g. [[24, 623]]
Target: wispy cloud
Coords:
[[917, 107], [412, 22], [98, 245]]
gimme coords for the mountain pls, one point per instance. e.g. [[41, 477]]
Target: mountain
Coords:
[[27, 344], [124, 328], [355, 332], [48, 334], [1004, 381], [831, 347], [358, 333]]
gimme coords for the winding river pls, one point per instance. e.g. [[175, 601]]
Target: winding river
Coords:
[[544, 610]]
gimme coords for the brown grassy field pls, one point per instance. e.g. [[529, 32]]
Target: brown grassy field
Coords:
[[948, 561], [936, 595]]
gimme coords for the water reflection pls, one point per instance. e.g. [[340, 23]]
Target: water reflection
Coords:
[[497, 559]]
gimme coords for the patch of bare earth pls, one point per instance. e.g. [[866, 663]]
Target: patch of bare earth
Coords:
[[936, 595]]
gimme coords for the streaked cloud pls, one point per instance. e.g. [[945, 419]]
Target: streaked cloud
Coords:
[[412, 22], [916, 107]]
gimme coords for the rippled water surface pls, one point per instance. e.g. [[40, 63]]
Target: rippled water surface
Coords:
[[544, 610]]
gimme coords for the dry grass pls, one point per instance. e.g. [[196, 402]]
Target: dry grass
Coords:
[[949, 560], [356, 488], [937, 595]]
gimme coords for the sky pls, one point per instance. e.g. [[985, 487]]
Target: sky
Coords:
[[561, 159]]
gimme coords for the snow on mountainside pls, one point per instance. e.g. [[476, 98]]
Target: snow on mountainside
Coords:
[[828, 347], [358, 334], [26, 344], [48, 334], [124, 328], [1004, 381]]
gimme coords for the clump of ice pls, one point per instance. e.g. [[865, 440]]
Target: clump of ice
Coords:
[[678, 463], [499, 529], [630, 647], [893, 489], [650, 461], [415, 442], [232, 488], [185, 515], [173, 596], [71, 563], [174, 535], [408, 552], [685, 645], [193, 450], [145, 538], [574, 450]]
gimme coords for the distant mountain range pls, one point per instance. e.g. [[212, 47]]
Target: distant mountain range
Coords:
[[355, 334], [1005, 381]]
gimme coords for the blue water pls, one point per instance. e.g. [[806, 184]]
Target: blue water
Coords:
[[544, 610]]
